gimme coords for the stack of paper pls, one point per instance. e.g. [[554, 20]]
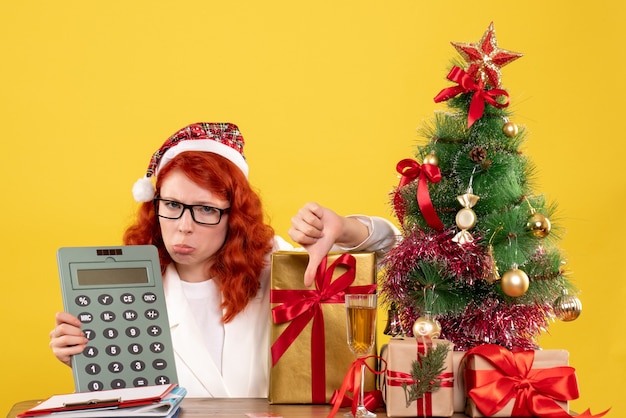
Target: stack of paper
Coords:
[[159, 401]]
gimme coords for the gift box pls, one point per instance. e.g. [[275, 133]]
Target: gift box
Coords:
[[502, 383], [310, 353], [459, 388], [400, 354]]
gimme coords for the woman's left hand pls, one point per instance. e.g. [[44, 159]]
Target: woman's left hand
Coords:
[[317, 229]]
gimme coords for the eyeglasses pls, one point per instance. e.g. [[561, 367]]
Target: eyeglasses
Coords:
[[201, 214]]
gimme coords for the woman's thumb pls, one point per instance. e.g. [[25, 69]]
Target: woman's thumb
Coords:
[[315, 258]]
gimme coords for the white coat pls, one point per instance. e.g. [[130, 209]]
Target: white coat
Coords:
[[245, 354]]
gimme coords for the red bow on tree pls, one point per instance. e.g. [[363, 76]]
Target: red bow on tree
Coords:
[[467, 84], [411, 170]]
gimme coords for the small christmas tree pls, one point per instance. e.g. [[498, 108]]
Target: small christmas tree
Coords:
[[478, 262]]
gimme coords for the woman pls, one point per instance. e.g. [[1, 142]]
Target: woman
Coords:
[[214, 249]]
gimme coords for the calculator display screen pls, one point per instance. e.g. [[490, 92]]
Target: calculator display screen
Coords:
[[91, 277]]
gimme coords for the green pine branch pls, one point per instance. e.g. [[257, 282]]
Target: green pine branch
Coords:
[[435, 290], [425, 373]]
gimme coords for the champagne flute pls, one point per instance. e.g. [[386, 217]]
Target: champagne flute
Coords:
[[361, 325]]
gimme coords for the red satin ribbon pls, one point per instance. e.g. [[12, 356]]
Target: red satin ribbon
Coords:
[[467, 84], [535, 391], [371, 400], [302, 306], [424, 408], [411, 170], [352, 383]]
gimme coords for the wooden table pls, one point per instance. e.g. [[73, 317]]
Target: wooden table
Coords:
[[228, 408]]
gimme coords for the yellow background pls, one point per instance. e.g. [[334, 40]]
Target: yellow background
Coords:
[[328, 95]]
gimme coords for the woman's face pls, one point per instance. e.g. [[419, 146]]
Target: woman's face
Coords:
[[190, 244]]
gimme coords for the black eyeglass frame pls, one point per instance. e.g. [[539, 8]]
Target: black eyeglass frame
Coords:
[[190, 208]]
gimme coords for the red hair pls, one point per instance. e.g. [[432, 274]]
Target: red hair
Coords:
[[238, 264]]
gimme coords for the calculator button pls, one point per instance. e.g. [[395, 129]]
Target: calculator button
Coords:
[[156, 347], [130, 315], [118, 384], [89, 334], [90, 352], [138, 365], [95, 385], [140, 381], [132, 332], [152, 314], [85, 317], [155, 330], [113, 350], [149, 297], [127, 298], [135, 349], [107, 316], [161, 380], [105, 299], [115, 367], [110, 333], [82, 300], [93, 368], [159, 364]]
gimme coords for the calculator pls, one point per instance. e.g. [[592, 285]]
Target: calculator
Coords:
[[117, 294]]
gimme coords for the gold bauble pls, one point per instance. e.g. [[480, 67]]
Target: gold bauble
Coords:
[[567, 308], [539, 225], [510, 129], [466, 218], [426, 326], [514, 282], [431, 158]]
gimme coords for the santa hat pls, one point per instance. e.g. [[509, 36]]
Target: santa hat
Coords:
[[220, 138]]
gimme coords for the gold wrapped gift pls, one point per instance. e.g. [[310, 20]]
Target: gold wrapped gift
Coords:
[[400, 355], [310, 354]]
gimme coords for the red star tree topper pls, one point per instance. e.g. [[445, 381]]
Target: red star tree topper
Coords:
[[485, 58]]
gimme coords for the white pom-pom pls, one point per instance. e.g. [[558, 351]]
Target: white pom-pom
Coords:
[[143, 190]]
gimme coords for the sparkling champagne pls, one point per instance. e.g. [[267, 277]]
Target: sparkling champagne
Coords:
[[361, 321], [361, 327]]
